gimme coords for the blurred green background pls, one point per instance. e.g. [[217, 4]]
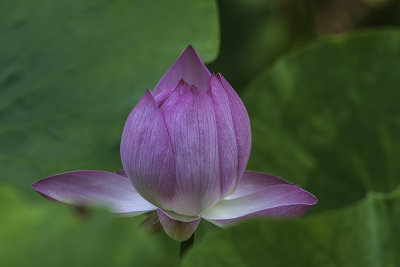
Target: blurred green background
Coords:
[[320, 80]]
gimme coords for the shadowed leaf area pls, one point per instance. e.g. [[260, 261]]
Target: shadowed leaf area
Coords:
[[47, 234], [326, 117], [364, 234], [71, 71]]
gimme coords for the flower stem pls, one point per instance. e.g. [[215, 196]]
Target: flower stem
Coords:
[[186, 245]]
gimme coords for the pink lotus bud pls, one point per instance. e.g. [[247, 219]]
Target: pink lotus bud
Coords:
[[184, 149]]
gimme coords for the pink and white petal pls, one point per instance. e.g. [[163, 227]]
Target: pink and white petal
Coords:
[[189, 67], [282, 200], [241, 124], [227, 146], [192, 128], [252, 182], [146, 153], [176, 226], [94, 188]]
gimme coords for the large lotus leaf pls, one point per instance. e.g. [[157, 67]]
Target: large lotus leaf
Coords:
[[328, 117], [254, 34], [364, 234], [71, 71], [45, 234]]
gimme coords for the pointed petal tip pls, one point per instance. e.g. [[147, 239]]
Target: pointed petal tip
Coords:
[[278, 201], [38, 188], [148, 93], [309, 199], [219, 76], [188, 66], [92, 187], [214, 82], [189, 48], [313, 199], [34, 185], [147, 96], [38, 185], [214, 76]]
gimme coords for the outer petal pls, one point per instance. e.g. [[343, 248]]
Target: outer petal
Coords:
[[277, 200], [252, 182], [177, 226], [146, 153], [227, 145], [121, 172], [94, 187], [192, 128], [176, 94], [241, 124], [189, 67], [165, 94]]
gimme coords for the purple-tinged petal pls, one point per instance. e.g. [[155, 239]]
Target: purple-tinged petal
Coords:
[[177, 226], [241, 124], [252, 182], [192, 128], [279, 200], [227, 145], [121, 172], [146, 153], [164, 95], [94, 188], [179, 90], [189, 67]]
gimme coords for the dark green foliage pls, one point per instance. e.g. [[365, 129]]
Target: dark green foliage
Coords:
[[325, 116], [71, 71]]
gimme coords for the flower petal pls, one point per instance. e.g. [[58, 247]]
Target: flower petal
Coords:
[[146, 153], [192, 128], [174, 96], [94, 187], [241, 124], [227, 145], [164, 95], [121, 172], [279, 200], [189, 67], [177, 226], [252, 182]]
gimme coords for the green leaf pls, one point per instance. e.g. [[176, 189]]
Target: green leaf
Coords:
[[45, 234], [365, 234], [71, 71], [328, 117]]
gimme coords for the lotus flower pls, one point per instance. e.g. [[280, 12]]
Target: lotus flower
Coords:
[[184, 150]]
